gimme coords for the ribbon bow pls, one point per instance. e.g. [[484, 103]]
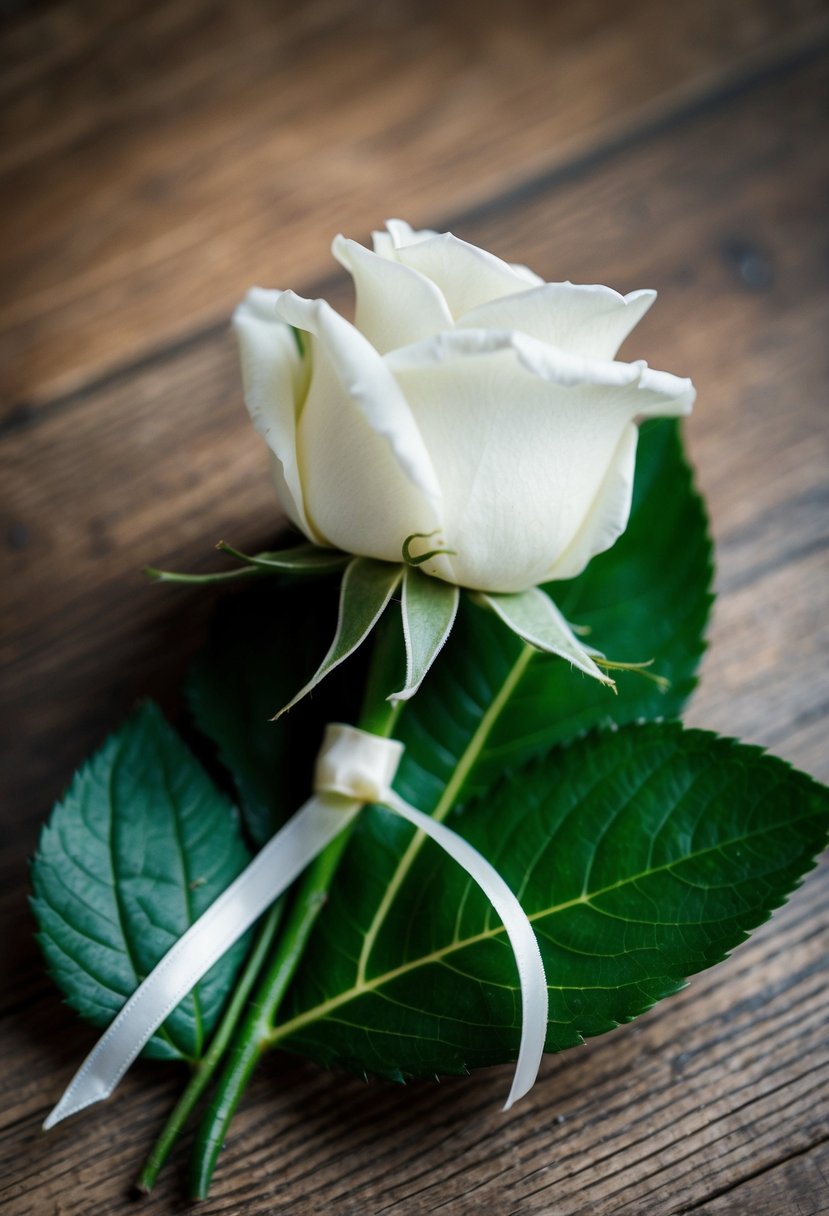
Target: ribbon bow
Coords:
[[353, 768]]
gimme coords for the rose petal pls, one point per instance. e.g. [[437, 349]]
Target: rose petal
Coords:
[[523, 438], [274, 378], [661, 394], [364, 378], [395, 304], [368, 480], [547, 362], [467, 276], [581, 319], [656, 389], [382, 244], [524, 272], [403, 234], [607, 518], [400, 235]]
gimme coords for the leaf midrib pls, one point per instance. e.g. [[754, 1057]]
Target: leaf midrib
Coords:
[[162, 1032], [365, 987], [446, 803], [187, 890]]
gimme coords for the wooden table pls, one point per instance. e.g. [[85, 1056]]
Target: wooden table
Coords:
[[159, 158]]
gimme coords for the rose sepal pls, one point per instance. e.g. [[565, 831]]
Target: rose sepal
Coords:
[[304, 558], [533, 617]]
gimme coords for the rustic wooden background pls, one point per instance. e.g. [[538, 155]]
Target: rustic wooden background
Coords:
[[156, 159]]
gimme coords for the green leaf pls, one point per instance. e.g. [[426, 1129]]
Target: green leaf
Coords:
[[533, 617], [141, 845], [367, 587], [429, 609], [264, 644], [641, 856]]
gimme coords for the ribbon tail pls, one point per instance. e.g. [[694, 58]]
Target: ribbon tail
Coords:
[[271, 872], [532, 979]]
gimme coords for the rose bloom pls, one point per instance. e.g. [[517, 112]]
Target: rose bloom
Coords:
[[470, 403]]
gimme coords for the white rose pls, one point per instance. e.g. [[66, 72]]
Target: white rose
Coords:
[[470, 403]]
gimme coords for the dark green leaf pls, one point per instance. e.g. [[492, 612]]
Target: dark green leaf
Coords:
[[264, 644], [641, 856], [140, 846]]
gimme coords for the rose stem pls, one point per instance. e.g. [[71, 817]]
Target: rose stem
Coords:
[[378, 717], [203, 1069]]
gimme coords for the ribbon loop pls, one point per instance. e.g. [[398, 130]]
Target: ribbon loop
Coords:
[[353, 768], [354, 763]]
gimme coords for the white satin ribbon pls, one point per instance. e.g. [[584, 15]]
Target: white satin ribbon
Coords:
[[353, 768]]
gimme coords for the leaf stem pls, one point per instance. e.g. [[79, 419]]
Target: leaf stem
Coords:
[[204, 1069], [379, 717]]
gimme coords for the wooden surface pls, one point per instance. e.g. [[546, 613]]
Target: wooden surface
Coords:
[[158, 158]]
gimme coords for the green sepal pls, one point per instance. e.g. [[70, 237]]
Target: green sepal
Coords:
[[366, 589], [301, 559], [429, 608], [533, 617], [201, 580]]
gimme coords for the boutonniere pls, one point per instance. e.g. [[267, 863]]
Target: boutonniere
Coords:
[[468, 825]]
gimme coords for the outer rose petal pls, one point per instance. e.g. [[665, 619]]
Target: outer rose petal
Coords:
[[367, 479], [584, 320], [524, 272], [395, 305], [274, 384], [547, 362], [363, 377], [523, 438], [608, 516]]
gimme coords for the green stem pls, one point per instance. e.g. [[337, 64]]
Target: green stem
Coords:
[[378, 717], [205, 1067]]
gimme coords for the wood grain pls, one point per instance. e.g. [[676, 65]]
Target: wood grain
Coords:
[[160, 157], [698, 174]]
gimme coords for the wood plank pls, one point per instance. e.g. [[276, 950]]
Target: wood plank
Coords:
[[721, 1085], [159, 157], [799, 1186], [725, 1080]]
